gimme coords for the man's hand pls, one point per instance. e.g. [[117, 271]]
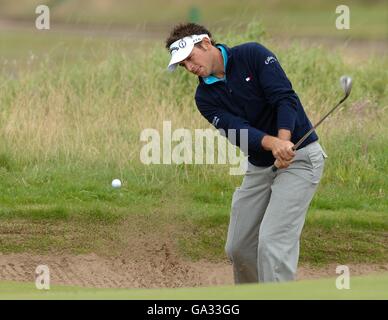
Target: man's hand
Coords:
[[282, 164], [281, 150]]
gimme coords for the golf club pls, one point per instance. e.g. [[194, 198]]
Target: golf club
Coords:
[[346, 84]]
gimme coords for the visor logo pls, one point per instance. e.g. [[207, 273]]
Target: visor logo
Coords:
[[173, 49], [182, 44]]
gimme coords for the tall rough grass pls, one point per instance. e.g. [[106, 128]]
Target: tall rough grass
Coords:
[[87, 115]]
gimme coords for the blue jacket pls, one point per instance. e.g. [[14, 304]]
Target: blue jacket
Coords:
[[256, 96]]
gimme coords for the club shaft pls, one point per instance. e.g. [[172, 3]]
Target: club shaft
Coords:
[[301, 140]]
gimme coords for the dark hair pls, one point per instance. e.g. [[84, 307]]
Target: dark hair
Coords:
[[186, 29]]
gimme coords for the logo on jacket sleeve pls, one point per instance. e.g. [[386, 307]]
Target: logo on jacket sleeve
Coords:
[[270, 59], [215, 121]]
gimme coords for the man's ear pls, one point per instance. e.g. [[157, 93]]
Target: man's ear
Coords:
[[206, 43]]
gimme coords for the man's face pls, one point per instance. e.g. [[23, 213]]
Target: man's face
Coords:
[[198, 62]]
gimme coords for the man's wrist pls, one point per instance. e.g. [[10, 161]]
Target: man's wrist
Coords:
[[268, 142], [284, 134]]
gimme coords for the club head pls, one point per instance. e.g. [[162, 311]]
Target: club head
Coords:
[[346, 84]]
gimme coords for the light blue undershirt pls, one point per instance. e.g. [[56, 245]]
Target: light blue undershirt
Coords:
[[211, 79]]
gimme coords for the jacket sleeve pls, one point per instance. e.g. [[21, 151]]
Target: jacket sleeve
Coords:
[[276, 86], [224, 121]]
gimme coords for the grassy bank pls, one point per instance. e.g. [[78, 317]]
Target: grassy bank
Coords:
[[363, 288], [68, 127], [293, 17]]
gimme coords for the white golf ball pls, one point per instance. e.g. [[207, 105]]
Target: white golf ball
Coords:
[[116, 183]]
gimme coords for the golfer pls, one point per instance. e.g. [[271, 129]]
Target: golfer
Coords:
[[244, 88]]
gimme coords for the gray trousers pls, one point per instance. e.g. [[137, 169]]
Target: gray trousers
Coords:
[[267, 216]]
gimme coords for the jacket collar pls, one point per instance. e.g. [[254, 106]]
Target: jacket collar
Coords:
[[229, 54]]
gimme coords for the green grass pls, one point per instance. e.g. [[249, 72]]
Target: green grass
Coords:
[[70, 126], [346, 236], [294, 18], [370, 287]]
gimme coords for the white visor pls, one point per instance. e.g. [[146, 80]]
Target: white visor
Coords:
[[182, 48]]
